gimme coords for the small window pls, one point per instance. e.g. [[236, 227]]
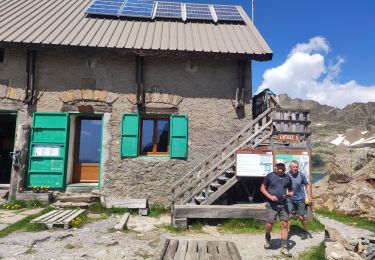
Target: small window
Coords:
[[154, 136], [2, 54]]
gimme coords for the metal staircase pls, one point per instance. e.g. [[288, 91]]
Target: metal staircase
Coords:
[[215, 175]]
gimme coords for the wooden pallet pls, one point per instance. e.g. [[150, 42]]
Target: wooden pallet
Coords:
[[58, 218], [179, 249]]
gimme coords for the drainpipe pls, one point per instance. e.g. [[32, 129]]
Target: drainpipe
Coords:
[[241, 86], [139, 79], [30, 70]]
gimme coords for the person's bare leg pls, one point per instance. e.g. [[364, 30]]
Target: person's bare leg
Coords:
[[268, 228], [303, 222], [284, 230], [284, 238]]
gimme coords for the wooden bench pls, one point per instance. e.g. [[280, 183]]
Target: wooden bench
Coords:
[[179, 249], [58, 218]]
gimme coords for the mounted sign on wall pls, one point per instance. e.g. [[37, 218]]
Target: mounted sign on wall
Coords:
[[253, 163], [288, 137]]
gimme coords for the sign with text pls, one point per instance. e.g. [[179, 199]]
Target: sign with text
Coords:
[[288, 137], [253, 163]]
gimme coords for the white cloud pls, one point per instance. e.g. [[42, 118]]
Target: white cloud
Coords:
[[305, 74]]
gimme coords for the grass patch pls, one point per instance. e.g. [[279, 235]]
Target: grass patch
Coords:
[[171, 228], [247, 225], [143, 253], [24, 224], [98, 208], [296, 226], [156, 210], [352, 220], [314, 253], [250, 225]]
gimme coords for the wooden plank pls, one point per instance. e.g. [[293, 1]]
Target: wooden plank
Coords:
[[234, 251], [64, 217], [202, 250], [125, 203], [171, 250], [58, 216], [224, 253], [44, 216], [192, 251], [71, 217], [55, 216], [212, 250], [181, 250], [160, 251], [219, 211]]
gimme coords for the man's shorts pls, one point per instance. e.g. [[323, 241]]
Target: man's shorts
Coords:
[[274, 210], [297, 206]]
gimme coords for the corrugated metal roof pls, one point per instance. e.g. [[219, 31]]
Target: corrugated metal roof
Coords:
[[64, 23]]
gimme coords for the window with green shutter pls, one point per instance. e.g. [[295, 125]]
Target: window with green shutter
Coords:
[[152, 135]]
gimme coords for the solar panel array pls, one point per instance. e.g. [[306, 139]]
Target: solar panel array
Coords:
[[153, 9]]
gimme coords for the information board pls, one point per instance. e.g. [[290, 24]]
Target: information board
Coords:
[[253, 163]]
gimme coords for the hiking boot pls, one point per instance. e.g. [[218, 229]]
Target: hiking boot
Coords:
[[267, 243], [285, 252]]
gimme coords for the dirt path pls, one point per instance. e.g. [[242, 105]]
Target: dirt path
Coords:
[[98, 241]]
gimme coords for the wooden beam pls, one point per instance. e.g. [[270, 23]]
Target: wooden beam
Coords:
[[256, 211]]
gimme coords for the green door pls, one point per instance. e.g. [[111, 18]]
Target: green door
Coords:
[[48, 150]]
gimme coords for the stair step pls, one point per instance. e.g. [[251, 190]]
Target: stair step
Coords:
[[215, 186], [81, 205], [79, 198], [199, 199], [223, 179]]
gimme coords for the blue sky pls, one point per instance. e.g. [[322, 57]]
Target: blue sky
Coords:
[[346, 28]]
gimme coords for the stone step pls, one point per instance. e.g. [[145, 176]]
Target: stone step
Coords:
[[82, 188], [78, 198], [59, 204]]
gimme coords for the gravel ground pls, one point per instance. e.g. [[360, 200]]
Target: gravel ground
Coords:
[[98, 241]]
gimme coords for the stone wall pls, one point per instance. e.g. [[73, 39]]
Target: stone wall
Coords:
[[204, 89]]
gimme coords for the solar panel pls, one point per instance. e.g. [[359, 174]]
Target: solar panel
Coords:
[[105, 7], [227, 13], [198, 11], [168, 9], [137, 8], [163, 9]]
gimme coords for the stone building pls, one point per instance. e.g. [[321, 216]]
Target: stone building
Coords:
[[125, 105]]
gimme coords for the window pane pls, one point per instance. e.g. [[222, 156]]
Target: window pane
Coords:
[[163, 135], [89, 141], [147, 135]]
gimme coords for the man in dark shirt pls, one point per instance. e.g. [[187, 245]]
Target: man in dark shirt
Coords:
[[277, 186]]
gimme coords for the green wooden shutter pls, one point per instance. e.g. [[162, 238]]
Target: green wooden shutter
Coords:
[[129, 137], [48, 150], [179, 136]]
